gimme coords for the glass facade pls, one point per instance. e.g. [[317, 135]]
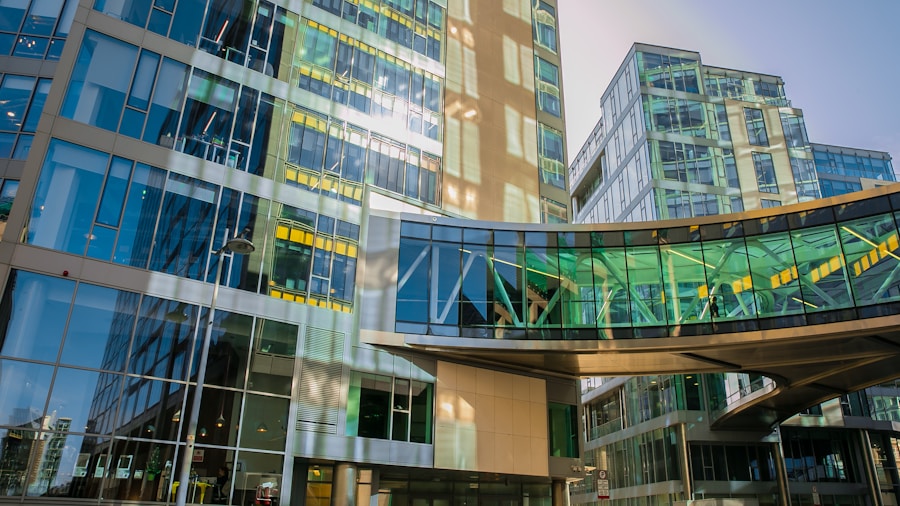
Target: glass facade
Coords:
[[792, 270], [108, 383]]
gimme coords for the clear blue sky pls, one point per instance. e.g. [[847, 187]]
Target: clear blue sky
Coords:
[[839, 59]]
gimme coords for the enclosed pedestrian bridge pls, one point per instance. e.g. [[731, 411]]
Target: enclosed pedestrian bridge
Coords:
[[808, 295]]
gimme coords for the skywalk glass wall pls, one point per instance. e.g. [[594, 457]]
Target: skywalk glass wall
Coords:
[[823, 265]]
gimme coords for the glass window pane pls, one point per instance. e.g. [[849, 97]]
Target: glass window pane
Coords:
[[140, 215], [15, 93], [774, 275], [164, 328], [84, 398], [868, 244], [28, 334], [265, 423], [100, 81], [99, 328], [69, 184], [820, 269], [23, 406]]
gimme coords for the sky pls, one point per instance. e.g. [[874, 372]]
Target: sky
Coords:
[[836, 57]]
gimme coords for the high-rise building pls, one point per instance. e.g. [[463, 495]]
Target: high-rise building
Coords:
[[680, 139], [139, 136]]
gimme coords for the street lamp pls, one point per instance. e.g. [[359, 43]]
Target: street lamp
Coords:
[[240, 246]]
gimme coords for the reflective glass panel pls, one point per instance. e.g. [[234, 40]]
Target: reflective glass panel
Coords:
[[100, 328], [27, 332]]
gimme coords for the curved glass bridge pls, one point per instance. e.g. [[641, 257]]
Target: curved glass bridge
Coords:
[[800, 293]]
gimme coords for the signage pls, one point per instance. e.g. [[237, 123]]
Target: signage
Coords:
[[602, 484]]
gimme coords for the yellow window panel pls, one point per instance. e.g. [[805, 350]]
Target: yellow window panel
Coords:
[[352, 251], [785, 277], [794, 274], [275, 293], [892, 242], [340, 248], [288, 296], [290, 174], [296, 235], [873, 257], [775, 281], [814, 275], [836, 264], [702, 291], [864, 261], [856, 270], [281, 232]]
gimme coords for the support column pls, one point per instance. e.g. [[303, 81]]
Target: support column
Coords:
[[684, 462], [869, 467], [781, 477], [559, 493], [343, 485]]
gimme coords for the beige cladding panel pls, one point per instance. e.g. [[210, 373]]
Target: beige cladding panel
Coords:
[[743, 155], [490, 155], [490, 421]]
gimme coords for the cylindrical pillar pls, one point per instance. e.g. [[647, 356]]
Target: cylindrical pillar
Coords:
[[343, 485], [684, 462], [781, 477], [559, 493], [869, 466]]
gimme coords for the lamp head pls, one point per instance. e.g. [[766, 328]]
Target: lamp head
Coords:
[[240, 246]]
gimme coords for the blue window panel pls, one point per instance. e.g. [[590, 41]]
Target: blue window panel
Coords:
[[66, 197], [28, 332], [97, 91]]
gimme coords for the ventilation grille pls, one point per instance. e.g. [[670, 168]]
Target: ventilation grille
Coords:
[[320, 381]]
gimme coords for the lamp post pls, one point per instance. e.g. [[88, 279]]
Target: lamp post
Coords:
[[240, 246]]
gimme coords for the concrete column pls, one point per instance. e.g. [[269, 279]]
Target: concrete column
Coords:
[[559, 493], [343, 485], [781, 477], [684, 462], [869, 466]]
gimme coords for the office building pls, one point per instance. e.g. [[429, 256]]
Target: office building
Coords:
[[680, 139], [139, 136]]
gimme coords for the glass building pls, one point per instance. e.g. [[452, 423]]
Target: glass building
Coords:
[[138, 136], [680, 139], [844, 170]]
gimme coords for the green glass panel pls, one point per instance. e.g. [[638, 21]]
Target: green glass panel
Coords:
[[870, 248], [509, 291], [611, 287], [820, 268], [542, 280], [684, 275], [774, 275], [648, 304], [728, 278], [577, 287]]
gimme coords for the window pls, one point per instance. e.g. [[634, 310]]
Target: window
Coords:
[[756, 127], [548, 86], [563, 427], [545, 25], [383, 407], [550, 150], [767, 203], [794, 131], [765, 173], [552, 211]]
